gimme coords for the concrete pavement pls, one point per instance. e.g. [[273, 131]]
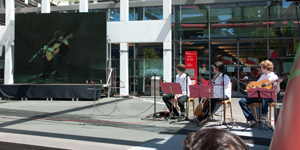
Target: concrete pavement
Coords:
[[108, 123]]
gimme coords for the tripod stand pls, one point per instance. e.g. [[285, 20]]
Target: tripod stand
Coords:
[[171, 88], [261, 93]]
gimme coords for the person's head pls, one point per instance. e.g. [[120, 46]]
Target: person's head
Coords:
[[58, 36], [212, 138], [266, 66], [180, 68], [218, 67]]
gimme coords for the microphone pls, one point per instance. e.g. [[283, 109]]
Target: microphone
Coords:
[[153, 73]]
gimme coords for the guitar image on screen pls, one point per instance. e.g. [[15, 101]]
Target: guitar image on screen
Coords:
[[55, 48]]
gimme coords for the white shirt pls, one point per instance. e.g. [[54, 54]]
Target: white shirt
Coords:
[[271, 76], [227, 84], [182, 80]]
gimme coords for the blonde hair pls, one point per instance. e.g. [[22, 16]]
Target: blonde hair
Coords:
[[267, 64]]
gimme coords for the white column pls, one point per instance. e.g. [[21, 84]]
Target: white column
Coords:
[[26, 1], [45, 6], [8, 62], [124, 10], [124, 69], [167, 45], [83, 5], [124, 76]]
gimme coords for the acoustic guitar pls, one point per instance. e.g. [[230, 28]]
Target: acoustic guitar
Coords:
[[55, 48], [203, 104], [265, 83]]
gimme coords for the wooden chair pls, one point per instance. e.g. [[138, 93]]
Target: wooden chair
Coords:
[[188, 105], [227, 102], [256, 104]]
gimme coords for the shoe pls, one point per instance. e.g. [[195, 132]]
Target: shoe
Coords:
[[253, 124], [182, 114], [264, 117]]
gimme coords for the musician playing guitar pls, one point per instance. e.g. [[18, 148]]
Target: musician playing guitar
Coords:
[[55, 51], [267, 68], [218, 80], [181, 98]]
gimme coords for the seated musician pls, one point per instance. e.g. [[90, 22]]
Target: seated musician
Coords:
[[218, 80], [181, 98], [267, 68]]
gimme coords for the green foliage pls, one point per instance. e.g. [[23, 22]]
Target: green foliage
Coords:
[[150, 53]]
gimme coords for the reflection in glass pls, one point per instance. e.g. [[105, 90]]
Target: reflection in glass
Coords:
[[283, 47], [192, 13], [114, 14], [283, 9], [283, 28], [239, 30], [153, 13], [238, 11]]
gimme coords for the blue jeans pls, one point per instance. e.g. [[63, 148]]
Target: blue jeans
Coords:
[[264, 106]]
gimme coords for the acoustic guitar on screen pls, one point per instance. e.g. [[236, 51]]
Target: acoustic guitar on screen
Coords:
[[265, 83], [55, 48]]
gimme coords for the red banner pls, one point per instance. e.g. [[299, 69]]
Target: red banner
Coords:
[[191, 63]]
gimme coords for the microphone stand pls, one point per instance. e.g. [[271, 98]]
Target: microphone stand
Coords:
[[35, 55], [154, 114], [223, 99]]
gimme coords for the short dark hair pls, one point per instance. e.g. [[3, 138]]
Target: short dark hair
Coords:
[[220, 65], [212, 138], [57, 34], [181, 67]]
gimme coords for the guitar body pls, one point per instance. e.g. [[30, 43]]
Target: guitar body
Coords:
[[199, 110], [49, 54], [258, 84]]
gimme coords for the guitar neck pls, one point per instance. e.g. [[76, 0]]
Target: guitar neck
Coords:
[[273, 81]]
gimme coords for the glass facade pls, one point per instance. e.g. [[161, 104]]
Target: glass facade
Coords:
[[239, 34]]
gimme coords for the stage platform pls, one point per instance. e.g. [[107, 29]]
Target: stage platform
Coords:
[[57, 91]]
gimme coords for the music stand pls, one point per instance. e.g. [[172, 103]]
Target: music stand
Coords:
[[261, 93], [171, 88], [197, 91]]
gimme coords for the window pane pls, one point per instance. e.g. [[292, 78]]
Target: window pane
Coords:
[[114, 14], [283, 28], [283, 9], [238, 11], [149, 50], [153, 13], [200, 46], [190, 31], [283, 47], [192, 13], [239, 30]]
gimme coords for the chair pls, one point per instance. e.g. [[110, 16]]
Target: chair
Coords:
[[188, 105], [257, 104], [227, 102]]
